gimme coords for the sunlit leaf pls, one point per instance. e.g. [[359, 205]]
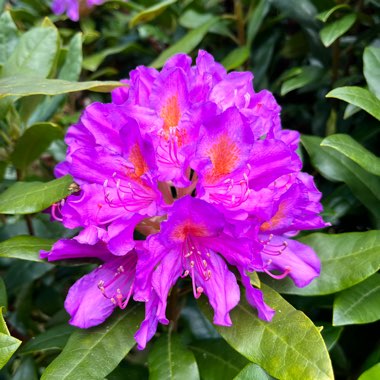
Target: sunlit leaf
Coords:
[[8, 344], [371, 68], [331, 32], [371, 374]]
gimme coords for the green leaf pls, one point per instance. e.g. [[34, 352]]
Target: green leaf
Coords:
[[8, 36], [186, 44], [236, 58], [170, 359], [290, 347], [331, 335], [346, 145], [359, 304], [150, 13], [25, 86], [25, 247], [3, 294], [92, 354], [337, 167], [253, 372], [34, 54], [31, 197], [8, 344], [331, 32], [26, 370], [346, 260], [359, 97], [34, 141], [53, 339], [306, 75], [216, 359], [323, 16], [255, 20], [371, 69], [371, 374]]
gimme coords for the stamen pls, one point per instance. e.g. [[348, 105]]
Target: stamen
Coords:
[[278, 276]]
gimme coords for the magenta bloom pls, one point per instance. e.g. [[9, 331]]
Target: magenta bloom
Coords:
[[73, 7], [194, 161]]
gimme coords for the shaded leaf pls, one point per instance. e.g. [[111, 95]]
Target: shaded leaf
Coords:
[[288, 348], [255, 20], [371, 68], [92, 354], [323, 16], [31, 197], [236, 58], [346, 260], [305, 76], [186, 44], [25, 247], [26, 370], [253, 372], [169, 359], [8, 36], [3, 295], [150, 13], [34, 141], [216, 359], [25, 86], [359, 304], [359, 97], [346, 145], [331, 335], [331, 32]]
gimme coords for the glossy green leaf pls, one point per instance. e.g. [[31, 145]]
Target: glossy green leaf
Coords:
[[25, 86], [169, 359], [25, 247], [8, 344], [9, 36], [216, 359], [93, 353], [186, 44], [337, 167], [371, 374], [236, 58], [3, 294], [31, 197], [53, 339], [34, 141], [253, 372], [255, 20], [34, 54], [324, 16], [371, 68], [306, 75], [359, 304], [359, 97], [346, 145], [346, 259], [289, 347], [331, 32], [150, 13]]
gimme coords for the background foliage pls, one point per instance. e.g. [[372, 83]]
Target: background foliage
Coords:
[[321, 58]]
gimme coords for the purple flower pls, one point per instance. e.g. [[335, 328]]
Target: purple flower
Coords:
[[196, 163], [73, 8]]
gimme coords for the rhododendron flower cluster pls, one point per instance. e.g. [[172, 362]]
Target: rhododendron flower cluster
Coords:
[[195, 162], [73, 8]]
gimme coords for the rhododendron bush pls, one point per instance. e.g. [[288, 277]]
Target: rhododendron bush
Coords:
[[190, 190]]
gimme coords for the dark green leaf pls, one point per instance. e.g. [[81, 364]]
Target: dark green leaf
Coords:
[[346, 260], [25, 247], [186, 44], [236, 58], [337, 167], [34, 54], [253, 372], [306, 75], [25, 86], [302, 11], [359, 97], [3, 295], [331, 335], [290, 347], [346, 145], [336, 29], [93, 353], [323, 16], [150, 13], [217, 360], [371, 374], [31, 197], [256, 18], [8, 36], [33, 143], [26, 371], [171, 360], [359, 304], [53, 339], [371, 69]]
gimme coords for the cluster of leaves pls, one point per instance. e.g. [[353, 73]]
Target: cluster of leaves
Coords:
[[321, 58]]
